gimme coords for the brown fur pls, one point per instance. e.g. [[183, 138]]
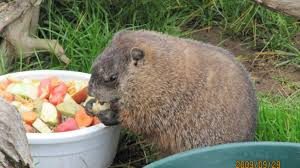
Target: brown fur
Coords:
[[183, 94]]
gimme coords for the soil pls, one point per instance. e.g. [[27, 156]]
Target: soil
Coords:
[[268, 77]]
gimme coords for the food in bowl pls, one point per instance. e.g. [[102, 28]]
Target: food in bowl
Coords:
[[49, 105]]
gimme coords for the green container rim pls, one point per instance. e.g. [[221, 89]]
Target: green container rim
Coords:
[[219, 147]]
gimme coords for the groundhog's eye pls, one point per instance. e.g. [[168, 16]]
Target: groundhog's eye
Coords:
[[113, 77], [110, 81]]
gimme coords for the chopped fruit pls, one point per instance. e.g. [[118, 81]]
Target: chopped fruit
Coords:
[[68, 108], [58, 93], [49, 113], [44, 88], [96, 120], [28, 128], [56, 99], [29, 117], [41, 126], [54, 81], [81, 95], [82, 119], [51, 104], [21, 107], [4, 84], [69, 125], [69, 98], [76, 86], [60, 89], [98, 107], [59, 117], [23, 89], [38, 105], [7, 96]]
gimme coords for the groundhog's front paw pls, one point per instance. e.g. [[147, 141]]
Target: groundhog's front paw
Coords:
[[93, 107], [103, 111], [108, 117]]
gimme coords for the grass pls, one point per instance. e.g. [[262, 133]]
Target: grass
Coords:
[[279, 118], [85, 27]]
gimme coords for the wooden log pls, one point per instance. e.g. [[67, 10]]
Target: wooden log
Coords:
[[289, 7], [14, 148], [18, 28]]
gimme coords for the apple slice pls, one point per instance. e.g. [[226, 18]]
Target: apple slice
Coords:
[[38, 105], [69, 98], [41, 126], [81, 95], [49, 114], [23, 89], [21, 107]]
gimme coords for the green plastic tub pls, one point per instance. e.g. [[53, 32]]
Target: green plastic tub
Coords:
[[236, 155]]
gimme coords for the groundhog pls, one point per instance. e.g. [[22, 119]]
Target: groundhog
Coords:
[[178, 93]]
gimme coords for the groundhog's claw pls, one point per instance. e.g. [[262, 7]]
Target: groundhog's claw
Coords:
[[89, 107]]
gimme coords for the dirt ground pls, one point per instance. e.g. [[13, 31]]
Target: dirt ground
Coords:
[[268, 77]]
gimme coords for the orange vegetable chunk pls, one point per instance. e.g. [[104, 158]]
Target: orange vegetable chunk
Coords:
[[82, 118], [29, 117], [4, 84], [7, 96], [96, 120]]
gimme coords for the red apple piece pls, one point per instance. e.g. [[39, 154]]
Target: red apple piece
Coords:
[[81, 95]]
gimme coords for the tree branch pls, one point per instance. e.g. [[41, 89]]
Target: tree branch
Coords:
[[11, 11]]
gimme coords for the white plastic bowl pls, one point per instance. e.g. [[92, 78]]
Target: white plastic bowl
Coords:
[[92, 147]]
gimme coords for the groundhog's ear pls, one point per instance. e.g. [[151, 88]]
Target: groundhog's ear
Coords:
[[136, 55]]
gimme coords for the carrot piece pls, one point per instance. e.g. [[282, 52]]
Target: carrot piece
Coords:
[[7, 96], [29, 117], [4, 84], [96, 120], [82, 118]]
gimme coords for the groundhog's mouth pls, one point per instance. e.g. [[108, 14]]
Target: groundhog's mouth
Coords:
[[107, 112]]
